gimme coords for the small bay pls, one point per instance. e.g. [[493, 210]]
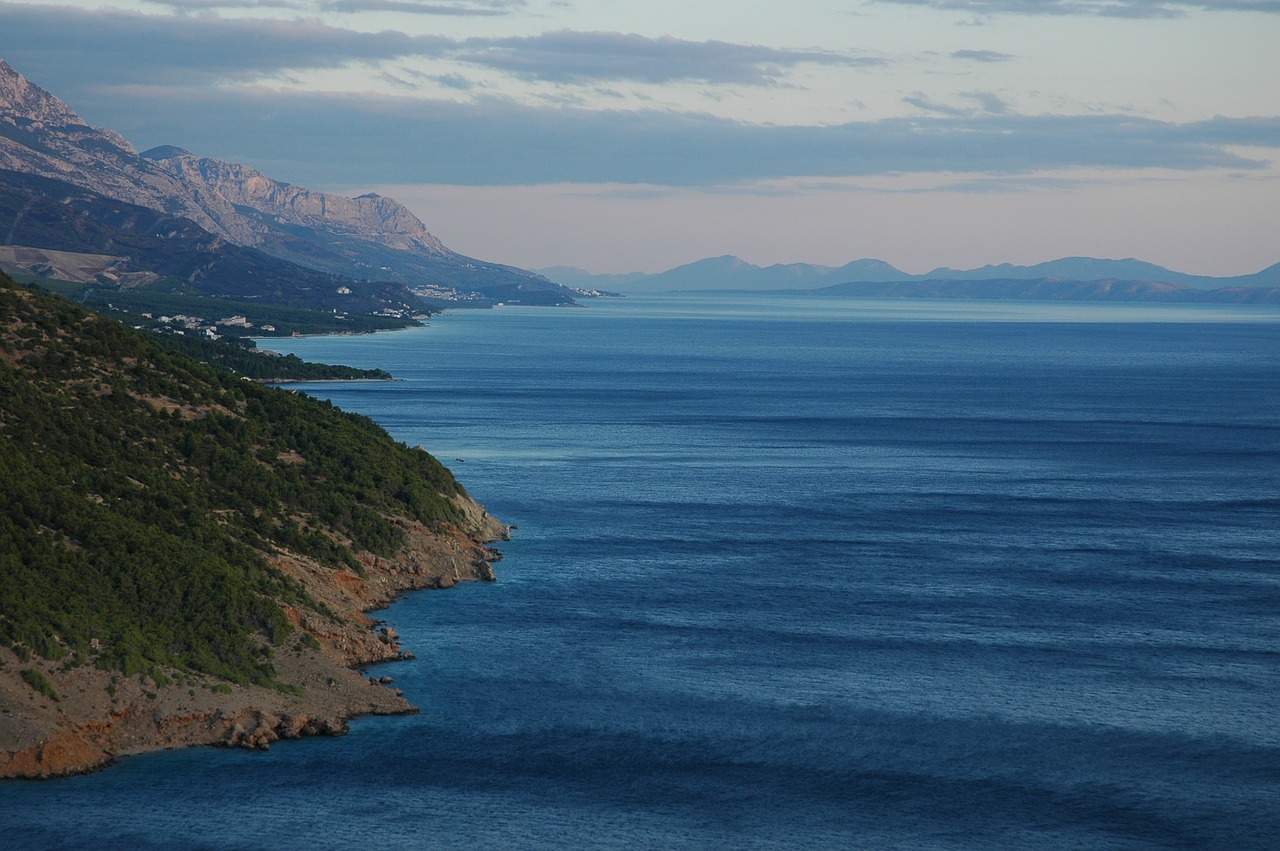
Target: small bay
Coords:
[[793, 573]]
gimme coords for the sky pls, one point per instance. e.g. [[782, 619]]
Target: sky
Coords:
[[622, 136]]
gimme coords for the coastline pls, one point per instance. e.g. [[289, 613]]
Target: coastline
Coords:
[[94, 717], [277, 381]]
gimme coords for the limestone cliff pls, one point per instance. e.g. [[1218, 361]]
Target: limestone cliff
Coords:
[[370, 217], [41, 135]]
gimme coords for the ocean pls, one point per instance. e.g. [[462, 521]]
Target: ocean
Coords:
[[798, 573]]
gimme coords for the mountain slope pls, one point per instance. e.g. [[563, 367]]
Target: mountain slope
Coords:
[[41, 135], [57, 215], [365, 238], [733, 273], [185, 556], [362, 217]]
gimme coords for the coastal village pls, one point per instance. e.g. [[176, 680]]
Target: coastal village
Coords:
[[199, 326]]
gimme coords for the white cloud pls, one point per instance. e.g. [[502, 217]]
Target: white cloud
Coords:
[[1099, 8], [476, 8], [587, 57], [689, 103]]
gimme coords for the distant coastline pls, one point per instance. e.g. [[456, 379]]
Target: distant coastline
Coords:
[[275, 381], [1079, 278]]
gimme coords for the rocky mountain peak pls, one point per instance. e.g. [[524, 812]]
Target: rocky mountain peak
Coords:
[[41, 135], [165, 152], [22, 103], [36, 126], [24, 106]]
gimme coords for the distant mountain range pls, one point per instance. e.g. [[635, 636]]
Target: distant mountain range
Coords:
[[1072, 278], [81, 202], [372, 248]]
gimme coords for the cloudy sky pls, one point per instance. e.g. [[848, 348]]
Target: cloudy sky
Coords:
[[623, 136]]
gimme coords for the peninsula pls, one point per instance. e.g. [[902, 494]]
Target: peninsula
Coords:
[[188, 557]]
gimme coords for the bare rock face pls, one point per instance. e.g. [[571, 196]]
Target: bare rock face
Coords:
[[369, 217], [42, 135], [255, 729], [20, 97], [63, 752]]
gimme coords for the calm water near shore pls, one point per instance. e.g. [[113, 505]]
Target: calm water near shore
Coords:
[[799, 574]]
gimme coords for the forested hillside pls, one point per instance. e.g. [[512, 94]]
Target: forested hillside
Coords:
[[144, 493], [245, 359]]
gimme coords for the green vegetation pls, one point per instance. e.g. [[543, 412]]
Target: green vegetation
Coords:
[[37, 681], [144, 492], [243, 358], [173, 298], [236, 352]]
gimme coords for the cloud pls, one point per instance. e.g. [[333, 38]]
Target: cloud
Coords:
[[358, 139], [981, 55], [921, 101], [132, 48], [1005, 185], [584, 57], [459, 8], [191, 49], [988, 102], [493, 8], [159, 80], [1100, 8], [454, 81], [182, 6]]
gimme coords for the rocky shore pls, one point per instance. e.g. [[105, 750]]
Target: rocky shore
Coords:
[[78, 719]]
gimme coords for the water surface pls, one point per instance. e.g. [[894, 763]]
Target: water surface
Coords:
[[796, 573]]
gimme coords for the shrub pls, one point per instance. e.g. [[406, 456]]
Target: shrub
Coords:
[[37, 681]]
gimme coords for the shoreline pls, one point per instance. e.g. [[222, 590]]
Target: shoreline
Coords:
[[135, 680], [275, 381], [100, 716]]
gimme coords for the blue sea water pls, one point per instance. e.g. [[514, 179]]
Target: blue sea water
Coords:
[[799, 574]]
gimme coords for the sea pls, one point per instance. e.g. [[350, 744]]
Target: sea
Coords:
[[794, 572]]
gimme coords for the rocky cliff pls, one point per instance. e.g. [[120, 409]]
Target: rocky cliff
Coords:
[[370, 217], [41, 135]]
